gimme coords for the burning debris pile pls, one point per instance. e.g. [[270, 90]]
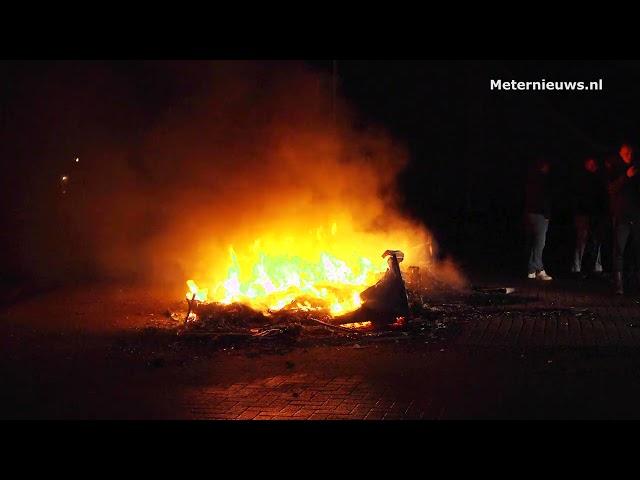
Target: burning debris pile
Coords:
[[387, 308], [290, 205]]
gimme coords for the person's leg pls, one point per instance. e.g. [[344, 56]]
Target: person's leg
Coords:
[[598, 232], [597, 267], [621, 232], [529, 229], [581, 224], [538, 225], [542, 241], [592, 261], [607, 244], [635, 241], [533, 234]]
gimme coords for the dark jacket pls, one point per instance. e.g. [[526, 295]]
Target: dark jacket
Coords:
[[538, 194], [590, 194], [624, 192]]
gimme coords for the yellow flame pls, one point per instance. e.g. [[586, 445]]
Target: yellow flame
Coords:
[[319, 270], [200, 294], [356, 325], [279, 282]]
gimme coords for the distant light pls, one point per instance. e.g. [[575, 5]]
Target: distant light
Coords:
[[77, 159], [65, 178]]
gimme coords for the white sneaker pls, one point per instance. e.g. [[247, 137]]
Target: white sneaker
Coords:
[[532, 276], [542, 275]]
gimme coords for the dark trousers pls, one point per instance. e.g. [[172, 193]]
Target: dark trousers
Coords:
[[589, 238], [537, 226], [622, 230]]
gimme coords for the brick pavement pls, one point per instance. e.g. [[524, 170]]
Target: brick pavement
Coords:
[[560, 314], [300, 397], [558, 350], [558, 321]]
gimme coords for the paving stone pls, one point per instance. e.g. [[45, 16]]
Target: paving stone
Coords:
[[566, 318]]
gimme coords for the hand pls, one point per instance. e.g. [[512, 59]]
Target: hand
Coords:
[[631, 171]]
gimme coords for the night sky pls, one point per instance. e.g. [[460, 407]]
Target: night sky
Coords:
[[468, 145]]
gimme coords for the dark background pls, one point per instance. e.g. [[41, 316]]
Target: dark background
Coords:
[[469, 145]]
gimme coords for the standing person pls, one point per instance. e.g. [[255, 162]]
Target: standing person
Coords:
[[537, 213], [624, 200], [589, 209]]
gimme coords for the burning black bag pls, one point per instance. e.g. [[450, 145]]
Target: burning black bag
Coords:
[[387, 300]]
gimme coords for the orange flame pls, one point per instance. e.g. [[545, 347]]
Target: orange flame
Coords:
[[319, 270]]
